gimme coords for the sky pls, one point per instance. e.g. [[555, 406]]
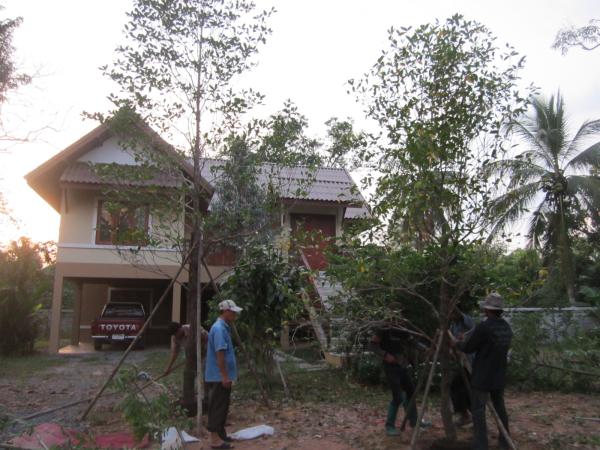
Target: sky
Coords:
[[315, 48]]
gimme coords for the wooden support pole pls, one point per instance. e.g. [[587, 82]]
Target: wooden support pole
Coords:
[[137, 337], [417, 429], [421, 378]]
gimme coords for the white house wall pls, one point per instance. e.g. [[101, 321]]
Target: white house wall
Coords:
[[109, 152]]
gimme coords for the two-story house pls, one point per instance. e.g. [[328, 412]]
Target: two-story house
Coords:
[[87, 255]]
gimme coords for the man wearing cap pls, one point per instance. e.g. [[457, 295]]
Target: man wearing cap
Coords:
[[220, 373], [490, 341]]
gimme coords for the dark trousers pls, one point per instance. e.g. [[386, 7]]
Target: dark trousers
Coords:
[[478, 401], [218, 407], [400, 382], [459, 392]]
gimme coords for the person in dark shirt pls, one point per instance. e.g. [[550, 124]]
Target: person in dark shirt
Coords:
[[490, 341], [461, 327], [396, 347]]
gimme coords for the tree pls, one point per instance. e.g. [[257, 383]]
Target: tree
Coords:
[[586, 37], [441, 94], [175, 72], [286, 142], [267, 285], [23, 285], [555, 168], [10, 78]]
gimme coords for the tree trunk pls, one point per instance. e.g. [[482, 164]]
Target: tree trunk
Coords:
[[445, 407], [566, 257], [189, 371]]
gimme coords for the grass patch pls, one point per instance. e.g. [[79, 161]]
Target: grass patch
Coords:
[[330, 386], [309, 353], [23, 366]]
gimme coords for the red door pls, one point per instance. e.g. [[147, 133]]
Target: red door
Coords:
[[314, 232]]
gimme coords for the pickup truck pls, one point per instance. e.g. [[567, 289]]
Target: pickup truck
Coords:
[[119, 322]]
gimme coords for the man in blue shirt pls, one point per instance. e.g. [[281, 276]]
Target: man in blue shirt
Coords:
[[220, 373]]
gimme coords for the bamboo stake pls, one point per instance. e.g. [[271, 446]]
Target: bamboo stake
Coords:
[[417, 428], [137, 337], [420, 380], [286, 391]]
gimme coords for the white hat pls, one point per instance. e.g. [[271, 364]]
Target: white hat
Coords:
[[229, 305]]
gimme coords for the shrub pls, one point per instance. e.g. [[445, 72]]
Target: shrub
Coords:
[[19, 324], [561, 356]]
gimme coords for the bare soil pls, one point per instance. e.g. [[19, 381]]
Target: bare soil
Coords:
[[539, 420]]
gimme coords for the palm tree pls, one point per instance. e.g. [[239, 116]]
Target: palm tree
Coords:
[[554, 172]]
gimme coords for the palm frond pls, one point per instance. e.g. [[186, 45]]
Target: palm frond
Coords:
[[513, 204], [588, 129], [528, 133], [520, 170], [590, 157], [538, 225], [585, 186], [550, 124]]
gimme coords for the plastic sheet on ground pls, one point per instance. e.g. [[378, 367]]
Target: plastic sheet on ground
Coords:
[[171, 439], [252, 432]]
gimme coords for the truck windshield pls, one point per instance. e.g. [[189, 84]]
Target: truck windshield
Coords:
[[116, 310]]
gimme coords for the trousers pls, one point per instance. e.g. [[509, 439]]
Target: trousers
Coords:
[[399, 381], [478, 402], [218, 407]]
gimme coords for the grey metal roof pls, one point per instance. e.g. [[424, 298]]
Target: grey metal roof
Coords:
[[293, 183], [299, 183], [83, 173], [361, 212]]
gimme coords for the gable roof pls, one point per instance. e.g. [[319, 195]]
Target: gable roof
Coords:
[[46, 178]]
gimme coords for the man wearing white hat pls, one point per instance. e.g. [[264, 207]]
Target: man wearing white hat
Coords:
[[490, 341], [220, 373]]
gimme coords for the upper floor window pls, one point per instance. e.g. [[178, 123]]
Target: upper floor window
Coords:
[[120, 224]]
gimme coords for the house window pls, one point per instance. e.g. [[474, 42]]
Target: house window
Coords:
[[121, 224]]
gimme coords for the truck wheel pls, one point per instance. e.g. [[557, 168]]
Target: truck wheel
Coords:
[[97, 344], [141, 343]]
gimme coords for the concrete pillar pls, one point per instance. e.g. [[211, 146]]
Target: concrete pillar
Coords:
[[57, 294], [76, 326], [176, 308]]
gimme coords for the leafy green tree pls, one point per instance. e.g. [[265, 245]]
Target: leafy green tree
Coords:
[[586, 37], [556, 169], [286, 142], [23, 286], [10, 78], [268, 287], [245, 202], [441, 94], [175, 71]]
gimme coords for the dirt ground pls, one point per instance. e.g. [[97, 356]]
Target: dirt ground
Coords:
[[539, 420]]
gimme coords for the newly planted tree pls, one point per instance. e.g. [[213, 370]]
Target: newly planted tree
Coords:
[[175, 73], [441, 95]]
